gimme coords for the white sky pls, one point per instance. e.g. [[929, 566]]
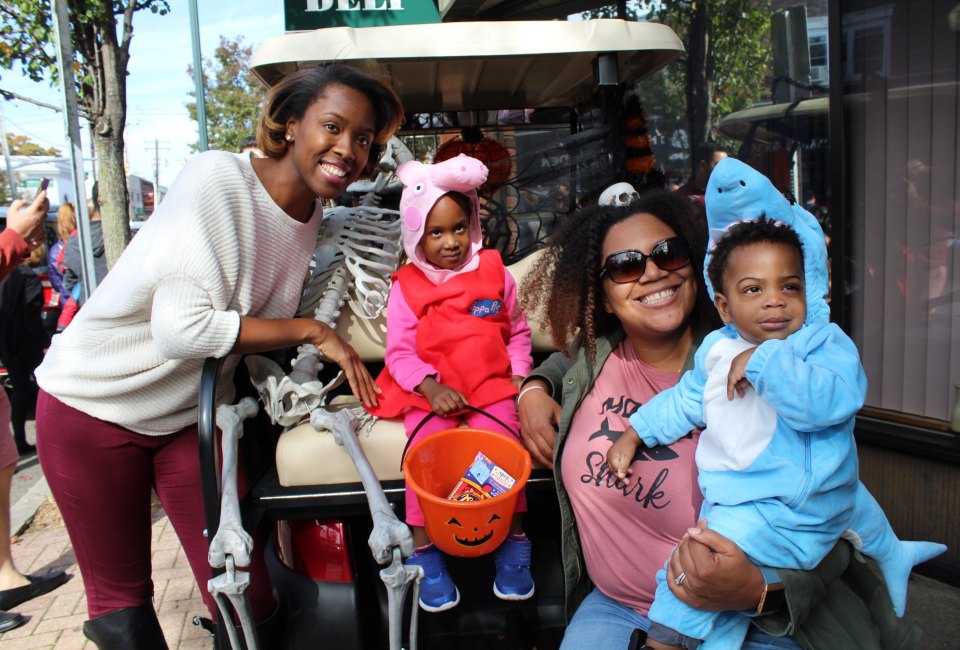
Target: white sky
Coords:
[[158, 83]]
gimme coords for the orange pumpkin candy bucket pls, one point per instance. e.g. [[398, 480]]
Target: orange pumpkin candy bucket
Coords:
[[433, 466]]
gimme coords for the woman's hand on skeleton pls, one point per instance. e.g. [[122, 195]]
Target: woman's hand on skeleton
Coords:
[[342, 353]]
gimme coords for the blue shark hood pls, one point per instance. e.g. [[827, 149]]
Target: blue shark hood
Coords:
[[736, 192]]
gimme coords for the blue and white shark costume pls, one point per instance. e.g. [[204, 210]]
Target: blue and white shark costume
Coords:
[[778, 467]]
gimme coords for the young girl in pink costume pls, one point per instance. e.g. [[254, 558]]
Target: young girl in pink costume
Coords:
[[455, 337]]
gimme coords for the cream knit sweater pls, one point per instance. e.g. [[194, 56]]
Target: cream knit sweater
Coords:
[[217, 247]]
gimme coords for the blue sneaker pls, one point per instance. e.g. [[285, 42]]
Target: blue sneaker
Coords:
[[437, 591], [513, 580]]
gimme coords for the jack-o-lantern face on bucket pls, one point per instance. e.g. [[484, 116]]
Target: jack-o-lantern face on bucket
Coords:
[[473, 536]]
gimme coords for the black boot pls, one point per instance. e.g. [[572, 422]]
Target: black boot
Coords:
[[131, 628]]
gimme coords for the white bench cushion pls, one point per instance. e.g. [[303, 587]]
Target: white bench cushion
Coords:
[[309, 457]]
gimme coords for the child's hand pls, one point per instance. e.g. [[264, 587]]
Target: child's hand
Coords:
[[620, 455], [517, 381], [443, 399], [737, 379]]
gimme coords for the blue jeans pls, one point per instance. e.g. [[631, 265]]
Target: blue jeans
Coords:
[[601, 623]]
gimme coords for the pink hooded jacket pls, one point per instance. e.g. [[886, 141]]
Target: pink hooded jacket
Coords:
[[423, 185]]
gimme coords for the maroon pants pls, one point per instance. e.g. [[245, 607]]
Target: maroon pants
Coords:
[[101, 475]]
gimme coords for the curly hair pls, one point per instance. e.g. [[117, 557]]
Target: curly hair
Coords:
[[563, 291], [745, 233], [295, 93]]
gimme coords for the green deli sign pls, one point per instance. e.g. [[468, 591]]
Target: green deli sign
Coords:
[[302, 15]]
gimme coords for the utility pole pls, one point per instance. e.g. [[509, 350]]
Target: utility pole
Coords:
[[61, 24], [198, 76], [156, 173], [156, 169], [6, 158]]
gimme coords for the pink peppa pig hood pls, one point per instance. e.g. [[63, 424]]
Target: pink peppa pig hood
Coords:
[[423, 185]]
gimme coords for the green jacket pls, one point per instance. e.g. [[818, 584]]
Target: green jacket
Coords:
[[840, 605]]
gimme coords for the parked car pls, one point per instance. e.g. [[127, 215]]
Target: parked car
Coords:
[[318, 524]]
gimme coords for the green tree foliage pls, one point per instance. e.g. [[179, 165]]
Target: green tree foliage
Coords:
[[101, 31], [233, 95], [21, 145], [724, 67]]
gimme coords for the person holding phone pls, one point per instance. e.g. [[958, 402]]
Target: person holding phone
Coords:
[[24, 232]]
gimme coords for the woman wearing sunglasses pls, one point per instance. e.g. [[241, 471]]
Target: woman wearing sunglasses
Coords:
[[625, 284]]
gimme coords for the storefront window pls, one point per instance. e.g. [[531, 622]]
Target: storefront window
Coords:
[[902, 109]]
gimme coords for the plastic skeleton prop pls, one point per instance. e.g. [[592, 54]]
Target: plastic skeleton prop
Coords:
[[231, 546], [357, 251], [618, 194]]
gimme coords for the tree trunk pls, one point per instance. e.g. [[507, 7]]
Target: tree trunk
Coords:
[[700, 84], [114, 197]]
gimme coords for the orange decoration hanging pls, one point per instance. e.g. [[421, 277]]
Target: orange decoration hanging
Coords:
[[471, 142]]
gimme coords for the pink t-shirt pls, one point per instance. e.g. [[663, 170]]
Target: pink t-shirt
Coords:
[[627, 532]]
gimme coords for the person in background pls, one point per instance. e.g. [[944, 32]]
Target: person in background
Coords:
[[23, 340], [217, 271], [24, 232], [249, 145], [66, 226], [72, 266], [621, 289], [707, 156]]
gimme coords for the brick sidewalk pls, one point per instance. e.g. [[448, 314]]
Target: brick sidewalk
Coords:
[[55, 619]]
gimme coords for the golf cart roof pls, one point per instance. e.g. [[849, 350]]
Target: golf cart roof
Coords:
[[479, 65], [798, 120]]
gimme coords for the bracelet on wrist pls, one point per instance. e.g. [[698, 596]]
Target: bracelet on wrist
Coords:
[[528, 388]]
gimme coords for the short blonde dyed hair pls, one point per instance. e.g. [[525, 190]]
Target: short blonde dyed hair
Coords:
[[66, 221], [295, 93]]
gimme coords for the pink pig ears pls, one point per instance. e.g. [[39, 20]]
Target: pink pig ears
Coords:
[[411, 219]]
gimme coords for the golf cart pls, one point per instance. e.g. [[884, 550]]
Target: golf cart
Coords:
[[544, 97]]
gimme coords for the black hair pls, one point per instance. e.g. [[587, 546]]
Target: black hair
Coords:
[[295, 93], [564, 291], [249, 141], [706, 151], [95, 197], [745, 233]]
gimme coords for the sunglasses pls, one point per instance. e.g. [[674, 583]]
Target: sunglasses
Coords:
[[628, 266]]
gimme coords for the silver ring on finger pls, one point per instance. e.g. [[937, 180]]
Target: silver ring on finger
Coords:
[[680, 578]]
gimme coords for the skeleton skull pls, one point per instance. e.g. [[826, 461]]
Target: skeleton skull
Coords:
[[618, 194]]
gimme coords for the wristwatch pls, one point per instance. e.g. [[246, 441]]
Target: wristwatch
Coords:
[[774, 597]]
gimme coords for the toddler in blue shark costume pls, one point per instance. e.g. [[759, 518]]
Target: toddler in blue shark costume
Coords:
[[777, 389]]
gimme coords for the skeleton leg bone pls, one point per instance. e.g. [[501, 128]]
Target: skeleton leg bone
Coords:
[[391, 539], [231, 546]]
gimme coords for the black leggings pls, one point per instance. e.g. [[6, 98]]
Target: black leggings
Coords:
[[23, 400]]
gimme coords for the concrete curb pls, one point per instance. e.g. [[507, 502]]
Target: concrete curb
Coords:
[[25, 509]]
